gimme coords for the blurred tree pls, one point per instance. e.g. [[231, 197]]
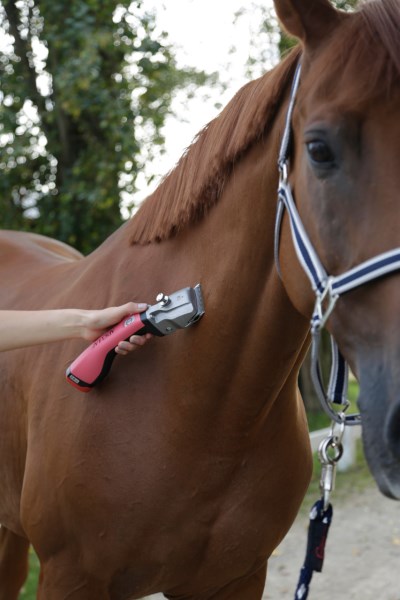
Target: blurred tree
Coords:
[[80, 79]]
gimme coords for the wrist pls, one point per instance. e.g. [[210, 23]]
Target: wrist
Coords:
[[77, 322]]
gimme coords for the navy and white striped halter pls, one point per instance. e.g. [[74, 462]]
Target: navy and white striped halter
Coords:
[[327, 289]]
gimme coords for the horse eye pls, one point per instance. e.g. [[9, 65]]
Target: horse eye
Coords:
[[319, 152]]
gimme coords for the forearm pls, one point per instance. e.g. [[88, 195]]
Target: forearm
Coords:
[[28, 328]]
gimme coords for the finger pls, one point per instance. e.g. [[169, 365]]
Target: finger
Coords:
[[137, 340], [117, 313], [134, 342], [137, 306], [125, 347], [121, 351]]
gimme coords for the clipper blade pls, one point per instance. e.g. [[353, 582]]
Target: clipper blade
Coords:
[[199, 305]]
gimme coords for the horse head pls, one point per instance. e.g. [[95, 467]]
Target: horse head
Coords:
[[344, 175]]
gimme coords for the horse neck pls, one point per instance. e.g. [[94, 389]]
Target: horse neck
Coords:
[[247, 302], [230, 252]]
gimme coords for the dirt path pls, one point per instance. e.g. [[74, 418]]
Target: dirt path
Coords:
[[362, 557]]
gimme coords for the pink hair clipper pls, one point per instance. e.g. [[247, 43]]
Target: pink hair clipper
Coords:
[[177, 311]]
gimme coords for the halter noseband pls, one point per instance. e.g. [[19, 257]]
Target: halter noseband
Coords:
[[327, 289]]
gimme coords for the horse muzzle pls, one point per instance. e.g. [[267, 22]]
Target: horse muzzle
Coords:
[[379, 404]]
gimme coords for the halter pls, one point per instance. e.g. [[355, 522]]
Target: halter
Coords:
[[327, 289]]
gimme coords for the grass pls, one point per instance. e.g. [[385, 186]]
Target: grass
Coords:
[[319, 420], [29, 590], [355, 479]]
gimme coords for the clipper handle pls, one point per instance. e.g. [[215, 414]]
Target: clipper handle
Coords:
[[93, 364]]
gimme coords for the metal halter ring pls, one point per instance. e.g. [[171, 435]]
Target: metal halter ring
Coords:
[[324, 305], [330, 442]]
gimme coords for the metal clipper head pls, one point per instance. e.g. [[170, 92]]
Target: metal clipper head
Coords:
[[176, 311]]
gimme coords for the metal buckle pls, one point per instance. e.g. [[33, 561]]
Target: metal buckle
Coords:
[[283, 170], [329, 461], [324, 305]]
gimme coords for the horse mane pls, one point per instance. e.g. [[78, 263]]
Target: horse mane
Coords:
[[367, 42], [188, 192]]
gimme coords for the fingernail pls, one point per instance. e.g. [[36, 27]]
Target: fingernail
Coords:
[[142, 306]]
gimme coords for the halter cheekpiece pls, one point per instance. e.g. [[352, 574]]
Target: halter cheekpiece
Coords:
[[327, 289]]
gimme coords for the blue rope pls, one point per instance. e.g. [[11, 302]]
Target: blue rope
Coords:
[[320, 521]]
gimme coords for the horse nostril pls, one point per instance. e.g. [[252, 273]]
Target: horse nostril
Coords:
[[392, 430]]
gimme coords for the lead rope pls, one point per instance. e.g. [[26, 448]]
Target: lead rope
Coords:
[[322, 511], [320, 521]]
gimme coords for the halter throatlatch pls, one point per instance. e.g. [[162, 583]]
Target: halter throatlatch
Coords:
[[327, 289]]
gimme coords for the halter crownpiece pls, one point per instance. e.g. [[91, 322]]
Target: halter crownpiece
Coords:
[[327, 289]]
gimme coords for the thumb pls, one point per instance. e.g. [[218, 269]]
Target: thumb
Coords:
[[112, 315], [128, 309], [132, 307]]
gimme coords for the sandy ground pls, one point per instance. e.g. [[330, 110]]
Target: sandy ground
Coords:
[[362, 556]]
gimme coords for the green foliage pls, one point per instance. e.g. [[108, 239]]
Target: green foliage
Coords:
[[81, 81], [319, 420], [28, 591]]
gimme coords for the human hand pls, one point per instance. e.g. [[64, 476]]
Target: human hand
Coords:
[[134, 342], [99, 321]]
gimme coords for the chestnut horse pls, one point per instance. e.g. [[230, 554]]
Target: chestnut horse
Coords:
[[185, 468]]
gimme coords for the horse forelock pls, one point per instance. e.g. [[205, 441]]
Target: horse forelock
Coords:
[[383, 20], [379, 45], [361, 60], [188, 192]]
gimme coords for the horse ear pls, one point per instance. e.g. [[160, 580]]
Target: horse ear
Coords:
[[308, 20]]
